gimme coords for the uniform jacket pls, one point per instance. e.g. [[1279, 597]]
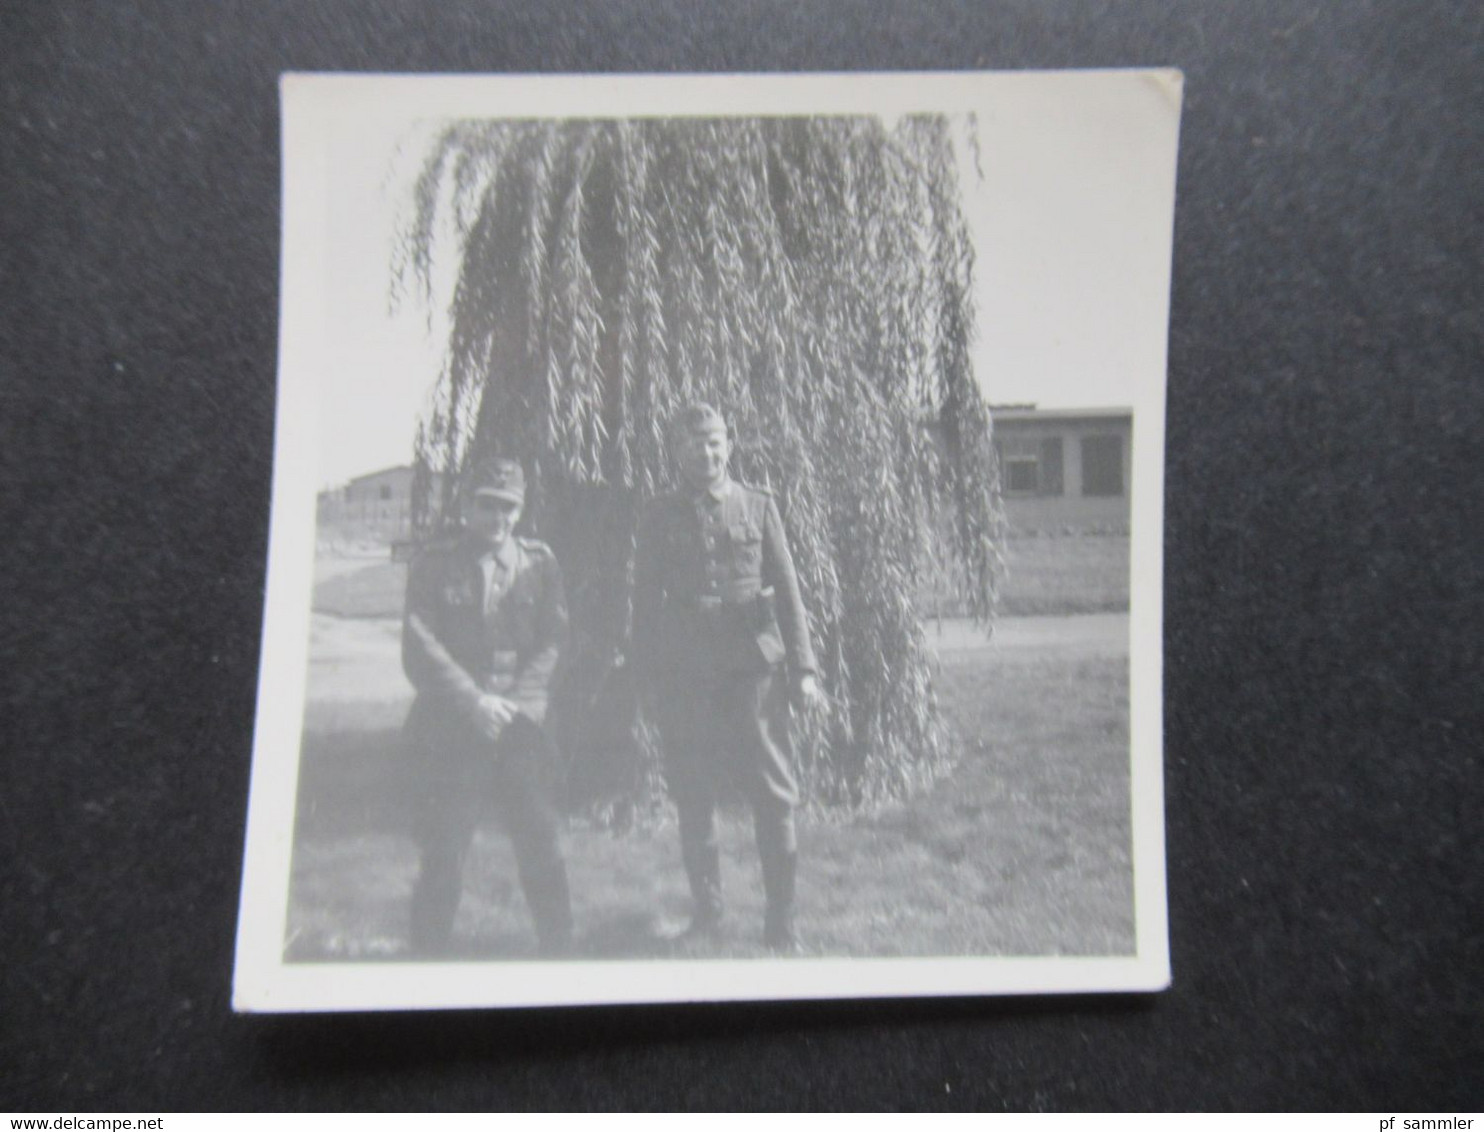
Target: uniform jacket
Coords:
[[478, 623], [714, 585]]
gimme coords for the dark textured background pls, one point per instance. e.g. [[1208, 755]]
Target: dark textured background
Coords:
[[1322, 582]]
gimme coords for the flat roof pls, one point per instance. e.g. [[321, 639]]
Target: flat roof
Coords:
[[1021, 413], [378, 472]]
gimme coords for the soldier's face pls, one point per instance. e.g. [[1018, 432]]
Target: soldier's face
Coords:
[[492, 519], [703, 457]]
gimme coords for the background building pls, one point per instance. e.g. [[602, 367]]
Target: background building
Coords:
[[1064, 480], [375, 508], [1064, 469]]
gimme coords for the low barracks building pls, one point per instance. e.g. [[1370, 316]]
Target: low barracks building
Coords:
[[376, 507], [1064, 470]]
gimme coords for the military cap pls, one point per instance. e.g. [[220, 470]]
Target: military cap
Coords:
[[698, 416], [499, 477]]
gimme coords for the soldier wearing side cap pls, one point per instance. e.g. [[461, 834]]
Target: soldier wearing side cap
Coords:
[[485, 622], [720, 640]]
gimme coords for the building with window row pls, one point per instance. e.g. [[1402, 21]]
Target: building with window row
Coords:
[[374, 508], [1064, 469]]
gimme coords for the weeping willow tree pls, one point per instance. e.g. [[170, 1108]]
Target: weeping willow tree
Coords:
[[809, 276]]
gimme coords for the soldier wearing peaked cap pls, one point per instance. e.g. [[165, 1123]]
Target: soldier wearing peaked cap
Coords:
[[485, 622], [720, 638]]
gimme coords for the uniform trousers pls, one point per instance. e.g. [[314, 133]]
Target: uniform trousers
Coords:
[[518, 777], [721, 730]]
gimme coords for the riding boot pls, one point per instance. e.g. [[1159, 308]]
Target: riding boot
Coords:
[[780, 867], [703, 870], [551, 908], [435, 902]]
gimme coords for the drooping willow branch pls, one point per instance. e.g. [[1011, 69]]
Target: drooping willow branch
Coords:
[[813, 277]]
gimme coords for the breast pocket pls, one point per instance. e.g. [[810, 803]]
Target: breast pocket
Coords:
[[458, 596], [519, 609], [747, 549]]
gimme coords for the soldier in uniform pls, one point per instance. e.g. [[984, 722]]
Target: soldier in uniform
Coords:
[[485, 621], [720, 640]]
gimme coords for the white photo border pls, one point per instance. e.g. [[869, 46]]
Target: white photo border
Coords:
[[314, 107]]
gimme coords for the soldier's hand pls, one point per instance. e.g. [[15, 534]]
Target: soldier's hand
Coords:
[[492, 713], [809, 694]]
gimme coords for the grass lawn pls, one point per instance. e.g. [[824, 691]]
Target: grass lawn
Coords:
[[1024, 850], [1060, 574], [377, 589], [1048, 574]]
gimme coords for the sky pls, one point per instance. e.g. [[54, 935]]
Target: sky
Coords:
[[383, 362], [1060, 222]]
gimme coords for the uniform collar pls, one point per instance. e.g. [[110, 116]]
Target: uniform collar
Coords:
[[717, 492], [504, 557]]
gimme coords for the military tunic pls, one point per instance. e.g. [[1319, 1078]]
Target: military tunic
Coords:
[[719, 626], [714, 585], [481, 622]]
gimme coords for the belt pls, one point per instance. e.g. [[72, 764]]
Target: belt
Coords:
[[707, 603]]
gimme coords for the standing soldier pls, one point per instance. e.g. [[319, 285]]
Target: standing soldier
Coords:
[[717, 613], [485, 621]]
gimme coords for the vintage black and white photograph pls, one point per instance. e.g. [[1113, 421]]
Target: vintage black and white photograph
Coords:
[[716, 541]]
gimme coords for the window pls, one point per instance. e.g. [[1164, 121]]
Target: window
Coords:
[[1102, 465], [1021, 474], [1030, 465], [386, 491]]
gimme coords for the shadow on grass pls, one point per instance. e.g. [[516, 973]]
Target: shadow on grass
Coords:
[[1025, 850]]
